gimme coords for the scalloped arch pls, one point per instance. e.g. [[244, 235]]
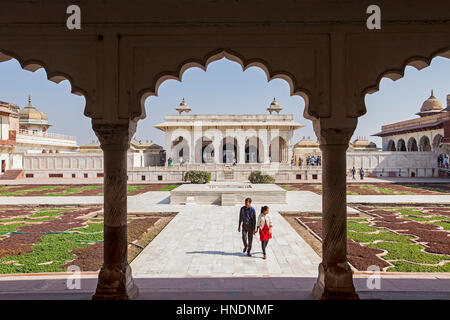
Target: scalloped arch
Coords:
[[418, 62], [216, 55], [33, 65]]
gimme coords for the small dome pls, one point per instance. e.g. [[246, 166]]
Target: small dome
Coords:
[[274, 106], [307, 143], [183, 107], [431, 104], [31, 113], [363, 143], [183, 103]]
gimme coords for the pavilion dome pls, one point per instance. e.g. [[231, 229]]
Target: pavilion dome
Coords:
[[31, 114], [307, 143], [431, 104], [274, 102], [363, 143], [183, 103], [183, 107], [274, 107]]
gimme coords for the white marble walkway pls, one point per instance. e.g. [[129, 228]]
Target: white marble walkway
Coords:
[[204, 241], [401, 199], [304, 201]]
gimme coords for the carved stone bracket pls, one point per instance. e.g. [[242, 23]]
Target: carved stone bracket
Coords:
[[334, 131], [115, 136]]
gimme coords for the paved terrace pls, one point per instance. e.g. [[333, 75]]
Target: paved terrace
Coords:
[[304, 201]]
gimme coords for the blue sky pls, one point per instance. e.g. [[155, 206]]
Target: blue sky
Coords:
[[223, 88]]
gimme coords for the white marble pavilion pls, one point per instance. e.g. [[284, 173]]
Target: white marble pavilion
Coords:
[[228, 138]]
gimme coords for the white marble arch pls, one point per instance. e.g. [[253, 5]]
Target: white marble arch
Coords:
[[229, 149], [391, 145], [424, 144], [401, 145], [437, 142], [412, 144], [278, 150]]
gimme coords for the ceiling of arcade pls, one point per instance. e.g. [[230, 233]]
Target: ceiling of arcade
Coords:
[[126, 49]]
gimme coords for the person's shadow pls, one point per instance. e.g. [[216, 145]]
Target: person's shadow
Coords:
[[223, 253]]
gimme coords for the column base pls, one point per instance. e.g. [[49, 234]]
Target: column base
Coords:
[[115, 284], [335, 282]]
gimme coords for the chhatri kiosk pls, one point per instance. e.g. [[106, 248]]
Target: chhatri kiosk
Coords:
[[229, 138]]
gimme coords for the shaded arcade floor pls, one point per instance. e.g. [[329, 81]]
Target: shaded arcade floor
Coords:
[[285, 288]]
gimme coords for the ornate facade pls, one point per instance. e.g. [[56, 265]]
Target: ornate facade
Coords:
[[426, 133], [28, 150], [228, 138]]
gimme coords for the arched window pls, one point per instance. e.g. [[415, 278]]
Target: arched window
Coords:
[[253, 150], [391, 146], [412, 145], [424, 144], [401, 145], [437, 142], [229, 150], [278, 151]]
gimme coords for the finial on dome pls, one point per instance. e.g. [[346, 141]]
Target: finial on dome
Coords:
[[430, 106], [29, 98]]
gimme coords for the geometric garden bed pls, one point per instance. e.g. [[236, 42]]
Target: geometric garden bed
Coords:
[[49, 240], [403, 239], [75, 190]]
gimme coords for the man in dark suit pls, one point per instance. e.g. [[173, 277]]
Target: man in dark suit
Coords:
[[247, 217]]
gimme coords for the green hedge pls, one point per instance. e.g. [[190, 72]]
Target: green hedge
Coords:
[[197, 177], [258, 177]]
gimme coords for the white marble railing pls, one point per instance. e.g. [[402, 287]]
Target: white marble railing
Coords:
[[221, 166], [47, 135]]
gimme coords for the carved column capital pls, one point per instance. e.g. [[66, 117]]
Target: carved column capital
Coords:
[[115, 136], [333, 131]]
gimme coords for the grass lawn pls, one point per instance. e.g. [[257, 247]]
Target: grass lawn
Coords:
[[367, 188], [384, 190], [49, 254], [72, 191], [25, 191], [76, 190], [169, 187], [426, 187]]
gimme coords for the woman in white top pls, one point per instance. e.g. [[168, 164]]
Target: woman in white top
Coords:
[[264, 226]]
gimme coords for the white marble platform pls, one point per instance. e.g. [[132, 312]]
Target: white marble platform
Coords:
[[227, 193]]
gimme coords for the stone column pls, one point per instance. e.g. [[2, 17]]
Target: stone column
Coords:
[[290, 149], [216, 146], [263, 136], [196, 142], [240, 138], [335, 276], [168, 137], [115, 280]]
